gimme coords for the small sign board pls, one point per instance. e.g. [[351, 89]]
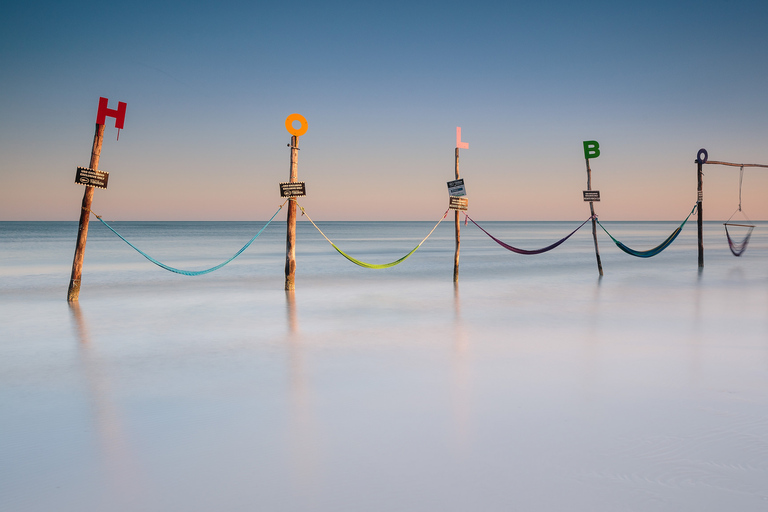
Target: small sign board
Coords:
[[91, 178], [297, 189], [456, 188], [592, 195], [458, 203]]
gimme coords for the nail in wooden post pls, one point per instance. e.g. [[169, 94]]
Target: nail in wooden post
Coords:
[[73, 293], [700, 220], [594, 223], [290, 240], [458, 231]]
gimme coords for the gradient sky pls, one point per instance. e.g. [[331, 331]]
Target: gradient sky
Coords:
[[383, 86]]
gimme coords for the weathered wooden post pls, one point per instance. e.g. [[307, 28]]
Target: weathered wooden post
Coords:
[[459, 145], [458, 231], [87, 177], [700, 161], [290, 192], [592, 150]]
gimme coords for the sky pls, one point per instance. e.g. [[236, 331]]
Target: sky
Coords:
[[383, 87]]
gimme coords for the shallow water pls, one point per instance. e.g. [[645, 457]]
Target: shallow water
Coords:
[[532, 385]]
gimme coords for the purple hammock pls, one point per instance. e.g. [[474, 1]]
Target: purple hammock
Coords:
[[523, 251]]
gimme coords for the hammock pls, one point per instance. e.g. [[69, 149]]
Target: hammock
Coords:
[[189, 272], [656, 250], [373, 265], [738, 248], [524, 251]]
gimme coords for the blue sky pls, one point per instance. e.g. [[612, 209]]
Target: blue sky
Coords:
[[383, 87]]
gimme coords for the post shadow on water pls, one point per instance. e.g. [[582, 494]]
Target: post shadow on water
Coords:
[[118, 461]]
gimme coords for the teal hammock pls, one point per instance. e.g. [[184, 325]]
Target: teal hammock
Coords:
[[191, 272], [656, 250]]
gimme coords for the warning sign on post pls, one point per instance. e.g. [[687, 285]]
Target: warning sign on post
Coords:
[[456, 188], [91, 178], [296, 189], [592, 195], [458, 203]]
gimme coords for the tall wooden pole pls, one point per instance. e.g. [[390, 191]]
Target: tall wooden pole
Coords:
[[85, 215], [594, 223], [700, 219], [458, 231], [290, 239]]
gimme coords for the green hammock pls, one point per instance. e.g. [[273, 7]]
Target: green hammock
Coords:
[[656, 250], [373, 265]]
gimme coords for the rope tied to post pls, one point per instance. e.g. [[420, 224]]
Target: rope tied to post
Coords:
[[372, 265], [189, 272]]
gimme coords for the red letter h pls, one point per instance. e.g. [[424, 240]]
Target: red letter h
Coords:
[[105, 112]]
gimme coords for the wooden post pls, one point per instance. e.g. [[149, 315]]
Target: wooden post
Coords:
[[85, 215], [290, 239], [458, 231], [700, 219], [594, 223]]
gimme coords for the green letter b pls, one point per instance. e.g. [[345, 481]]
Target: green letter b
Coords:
[[591, 149]]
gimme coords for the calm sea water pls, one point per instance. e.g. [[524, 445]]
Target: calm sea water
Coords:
[[532, 385]]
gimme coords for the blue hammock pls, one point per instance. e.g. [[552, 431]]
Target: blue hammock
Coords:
[[656, 250], [189, 272]]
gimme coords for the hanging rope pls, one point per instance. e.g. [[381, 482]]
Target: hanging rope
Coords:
[[738, 248], [190, 272], [741, 180], [373, 265], [523, 251], [656, 250]]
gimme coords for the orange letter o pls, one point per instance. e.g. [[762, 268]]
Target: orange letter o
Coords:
[[289, 124]]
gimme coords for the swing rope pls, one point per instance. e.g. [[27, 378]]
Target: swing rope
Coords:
[[372, 265], [190, 272], [656, 250], [738, 248], [524, 251]]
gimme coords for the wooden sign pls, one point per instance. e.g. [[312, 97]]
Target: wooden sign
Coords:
[[295, 189], [91, 178], [456, 188], [591, 195], [458, 203]]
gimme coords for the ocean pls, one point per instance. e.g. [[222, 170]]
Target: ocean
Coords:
[[531, 385]]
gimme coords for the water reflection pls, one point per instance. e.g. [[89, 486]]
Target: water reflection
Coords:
[[302, 422], [121, 467], [462, 376], [81, 328], [592, 341], [695, 330], [290, 307]]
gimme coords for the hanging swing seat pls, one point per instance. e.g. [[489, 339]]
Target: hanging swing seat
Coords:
[[738, 248]]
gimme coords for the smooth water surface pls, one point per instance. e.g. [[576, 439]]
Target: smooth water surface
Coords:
[[532, 385]]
